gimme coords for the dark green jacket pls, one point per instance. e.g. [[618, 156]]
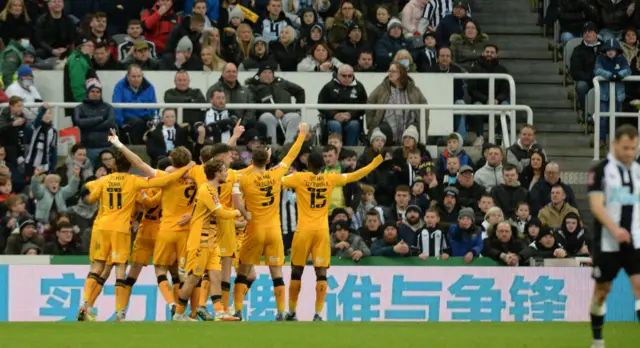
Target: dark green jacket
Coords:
[[75, 74], [10, 60]]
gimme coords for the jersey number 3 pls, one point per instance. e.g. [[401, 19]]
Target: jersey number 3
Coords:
[[318, 199], [268, 194], [115, 196]]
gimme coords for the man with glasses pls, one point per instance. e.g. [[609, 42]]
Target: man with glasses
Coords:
[[347, 16], [344, 89], [540, 194]]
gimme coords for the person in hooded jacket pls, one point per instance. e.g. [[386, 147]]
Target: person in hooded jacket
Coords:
[[545, 247], [465, 237], [311, 39], [449, 207], [572, 235], [531, 230], [377, 26], [259, 54], [503, 245], [508, 194], [392, 42], [344, 19], [308, 19], [286, 50], [158, 22], [412, 224], [349, 50]]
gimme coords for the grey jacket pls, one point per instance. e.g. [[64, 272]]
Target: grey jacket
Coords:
[[45, 199], [94, 119], [356, 242], [236, 95], [489, 177]]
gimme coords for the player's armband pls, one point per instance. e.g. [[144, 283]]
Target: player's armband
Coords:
[[235, 189]]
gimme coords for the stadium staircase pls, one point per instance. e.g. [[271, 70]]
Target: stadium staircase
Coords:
[[511, 24]]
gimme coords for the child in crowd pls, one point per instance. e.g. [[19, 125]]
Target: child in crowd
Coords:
[[50, 198], [454, 149], [419, 194], [531, 230], [254, 140], [16, 212], [466, 239], [367, 203], [348, 159], [486, 202], [433, 240], [335, 139], [522, 217], [427, 56], [410, 170]]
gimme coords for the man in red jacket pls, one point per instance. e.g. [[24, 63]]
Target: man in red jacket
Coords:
[[158, 23]]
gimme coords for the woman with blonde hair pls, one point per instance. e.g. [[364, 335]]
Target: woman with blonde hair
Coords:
[[493, 217], [286, 50], [404, 58], [15, 23], [211, 37], [239, 46], [210, 60]]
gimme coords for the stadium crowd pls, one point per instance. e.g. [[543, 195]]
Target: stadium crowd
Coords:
[[509, 205]]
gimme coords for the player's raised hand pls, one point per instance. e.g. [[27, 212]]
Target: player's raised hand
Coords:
[[268, 154], [303, 128], [114, 140], [621, 235], [238, 129], [37, 171]]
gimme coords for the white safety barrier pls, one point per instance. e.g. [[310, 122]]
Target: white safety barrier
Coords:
[[612, 114]]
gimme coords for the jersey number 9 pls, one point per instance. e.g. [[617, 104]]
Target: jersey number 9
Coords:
[[318, 199], [190, 193], [268, 194], [115, 194]]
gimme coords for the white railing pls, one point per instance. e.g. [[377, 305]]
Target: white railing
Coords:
[[505, 110], [612, 114]]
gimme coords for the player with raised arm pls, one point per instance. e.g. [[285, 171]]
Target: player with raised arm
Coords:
[[312, 237], [614, 198], [203, 253], [261, 188], [117, 194]]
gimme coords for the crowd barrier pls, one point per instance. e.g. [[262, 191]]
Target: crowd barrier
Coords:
[[355, 293]]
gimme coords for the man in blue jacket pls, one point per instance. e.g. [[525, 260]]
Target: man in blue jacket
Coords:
[[452, 24], [466, 239], [134, 88]]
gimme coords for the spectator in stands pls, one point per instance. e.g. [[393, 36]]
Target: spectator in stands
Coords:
[[449, 176], [77, 158], [77, 70], [454, 149], [372, 229], [544, 247], [235, 93], [493, 216], [427, 58], [469, 191], [12, 57], [404, 58], [185, 58], [158, 22], [433, 239], [50, 197], [27, 237], [42, 151], [613, 17], [309, 17], [320, 58], [396, 213], [467, 47], [275, 19], [613, 67], [165, 137], [285, 50], [377, 23], [182, 93], [15, 23], [349, 50], [532, 173], [572, 236], [518, 153], [107, 160], [503, 245], [444, 65], [83, 215], [479, 89], [392, 42], [134, 88], [365, 62], [508, 194], [98, 33], [218, 122], [466, 239], [572, 15], [344, 88], [64, 243], [409, 228], [396, 88], [490, 175], [103, 60], [94, 118], [211, 61], [449, 207], [367, 203], [452, 24], [485, 203], [12, 131], [347, 244], [382, 179], [540, 194], [554, 213], [265, 88], [24, 87], [390, 245], [141, 57], [348, 196], [55, 32], [258, 55], [208, 9], [134, 34], [583, 63], [190, 28], [344, 20], [237, 45], [412, 15], [630, 45], [522, 216]]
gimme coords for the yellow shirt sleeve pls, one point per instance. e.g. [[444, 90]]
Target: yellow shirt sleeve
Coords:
[[151, 199], [160, 181], [364, 171], [211, 200], [293, 152], [95, 189], [291, 181]]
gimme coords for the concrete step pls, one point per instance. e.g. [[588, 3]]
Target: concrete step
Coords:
[[510, 29], [558, 153], [545, 92], [518, 43], [564, 116], [544, 127], [523, 54], [518, 67], [572, 164], [567, 140], [537, 79], [489, 18], [542, 104]]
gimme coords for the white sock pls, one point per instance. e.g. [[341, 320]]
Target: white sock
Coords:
[[599, 309], [319, 314], [638, 305]]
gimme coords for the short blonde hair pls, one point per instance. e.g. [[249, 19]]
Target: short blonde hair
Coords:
[[52, 178], [493, 210], [367, 189]]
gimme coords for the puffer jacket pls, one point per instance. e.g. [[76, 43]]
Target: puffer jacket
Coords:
[[157, 27], [607, 68], [382, 95], [94, 118], [613, 16], [572, 14], [386, 48], [466, 52], [253, 62], [338, 32], [630, 51], [310, 64]]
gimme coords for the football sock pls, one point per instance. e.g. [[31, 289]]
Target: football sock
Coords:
[[121, 295], [226, 294], [129, 283], [597, 319], [165, 289], [279, 291], [638, 309], [217, 303], [182, 306], [97, 290], [89, 284], [204, 292], [195, 298], [239, 290], [176, 287], [321, 293], [294, 293]]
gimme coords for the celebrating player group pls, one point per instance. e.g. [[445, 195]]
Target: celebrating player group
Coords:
[[197, 221]]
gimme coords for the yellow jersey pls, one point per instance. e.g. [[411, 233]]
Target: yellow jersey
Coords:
[[202, 230], [177, 201]]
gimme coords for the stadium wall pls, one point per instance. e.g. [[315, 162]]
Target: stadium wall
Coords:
[[362, 293]]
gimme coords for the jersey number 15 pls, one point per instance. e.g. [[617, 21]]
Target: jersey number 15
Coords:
[[318, 199]]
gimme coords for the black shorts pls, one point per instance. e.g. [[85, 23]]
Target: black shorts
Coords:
[[606, 265]]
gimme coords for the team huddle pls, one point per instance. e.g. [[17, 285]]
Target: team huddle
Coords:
[[199, 221]]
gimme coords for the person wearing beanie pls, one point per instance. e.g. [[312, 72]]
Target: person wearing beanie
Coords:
[[503, 244], [77, 70], [452, 23], [377, 134], [466, 238], [390, 245], [266, 88], [25, 88], [544, 247], [411, 225], [185, 57], [572, 235], [27, 235], [392, 42], [346, 16], [258, 55], [449, 207], [191, 27], [428, 56], [354, 43], [531, 230]]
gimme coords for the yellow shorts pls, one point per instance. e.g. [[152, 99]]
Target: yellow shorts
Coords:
[[203, 259], [226, 237], [236, 256], [94, 246], [170, 247], [111, 247], [262, 241], [316, 243], [143, 250]]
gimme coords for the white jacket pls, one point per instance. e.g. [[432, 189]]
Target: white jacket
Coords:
[[28, 96], [309, 64]]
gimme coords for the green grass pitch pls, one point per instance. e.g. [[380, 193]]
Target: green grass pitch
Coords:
[[312, 335]]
